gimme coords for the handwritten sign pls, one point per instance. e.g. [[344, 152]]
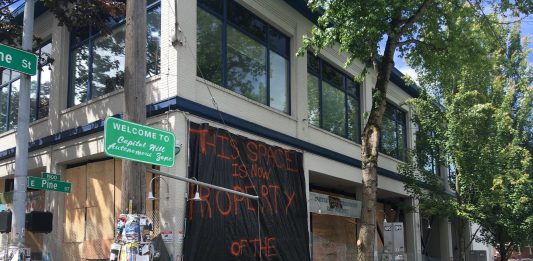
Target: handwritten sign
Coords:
[[228, 223], [132, 141]]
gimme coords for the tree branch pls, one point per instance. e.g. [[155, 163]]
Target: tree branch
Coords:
[[415, 17], [472, 238], [509, 251], [411, 41]]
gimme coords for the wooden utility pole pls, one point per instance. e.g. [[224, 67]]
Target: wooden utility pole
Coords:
[[133, 173]]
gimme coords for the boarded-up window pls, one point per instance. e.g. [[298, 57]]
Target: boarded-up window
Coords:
[[333, 237], [90, 209]]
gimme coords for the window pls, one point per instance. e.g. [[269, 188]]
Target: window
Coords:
[[239, 51], [97, 61], [393, 140], [39, 91], [333, 99]]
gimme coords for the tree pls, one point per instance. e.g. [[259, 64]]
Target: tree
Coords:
[[483, 131], [415, 29], [358, 28]]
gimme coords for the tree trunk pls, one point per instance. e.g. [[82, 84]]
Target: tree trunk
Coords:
[[503, 252], [369, 156], [461, 225], [133, 173]]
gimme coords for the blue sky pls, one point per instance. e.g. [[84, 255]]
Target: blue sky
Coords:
[[527, 30]]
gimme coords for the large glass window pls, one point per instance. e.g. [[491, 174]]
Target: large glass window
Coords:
[[97, 61], [39, 91], [239, 51], [393, 140], [333, 99]]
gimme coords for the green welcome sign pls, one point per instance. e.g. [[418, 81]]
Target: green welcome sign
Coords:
[[132, 141]]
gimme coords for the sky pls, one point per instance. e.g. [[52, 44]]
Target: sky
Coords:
[[527, 30]]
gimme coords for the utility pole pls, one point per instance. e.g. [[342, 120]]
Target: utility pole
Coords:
[[22, 136], [133, 173]]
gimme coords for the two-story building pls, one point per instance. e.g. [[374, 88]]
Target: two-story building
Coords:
[[230, 64]]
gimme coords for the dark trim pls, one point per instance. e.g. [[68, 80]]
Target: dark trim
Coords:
[[61, 137], [244, 125], [348, 195], [69, 166], [18, 13], [301, 7], [203, 111]]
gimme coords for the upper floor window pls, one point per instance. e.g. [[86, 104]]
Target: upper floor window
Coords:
[[393, 140], [333, 99], [97, 61], [39, 91], [241, 52]]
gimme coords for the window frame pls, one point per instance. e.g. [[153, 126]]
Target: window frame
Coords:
[[345, 77], [89, 40], [9, 84], [397, 109], [225, 22]]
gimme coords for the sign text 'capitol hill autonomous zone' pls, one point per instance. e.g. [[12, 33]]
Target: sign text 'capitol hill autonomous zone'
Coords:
[[132, 141]]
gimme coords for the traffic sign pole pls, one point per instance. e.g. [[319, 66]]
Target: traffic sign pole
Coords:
[[22, 136]]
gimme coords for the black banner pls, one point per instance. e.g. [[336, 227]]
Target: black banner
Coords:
[[223, 226]]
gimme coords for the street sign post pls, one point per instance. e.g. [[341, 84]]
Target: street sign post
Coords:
[[132, 141], [18, 60], [48, 184]]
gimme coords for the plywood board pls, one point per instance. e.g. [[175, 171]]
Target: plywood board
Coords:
[[78, 177], [96, 249], [334, 237], [100, 184], [99, 224], [72, 251], [118, 186], [2, 185], [74, 225]]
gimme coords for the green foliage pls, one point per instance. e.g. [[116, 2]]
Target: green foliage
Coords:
[[9, 32], [75, 14], [453, 46], [483, 131]]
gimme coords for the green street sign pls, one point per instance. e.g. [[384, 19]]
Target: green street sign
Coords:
[[50, 176], [47, 184], [18, 60], [132, 141]]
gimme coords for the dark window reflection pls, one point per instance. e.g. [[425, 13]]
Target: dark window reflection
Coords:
[[97, 62], [333, 99], [393, 141], [247, 56]]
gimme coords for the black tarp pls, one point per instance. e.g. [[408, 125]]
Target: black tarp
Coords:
[[224, 226]]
